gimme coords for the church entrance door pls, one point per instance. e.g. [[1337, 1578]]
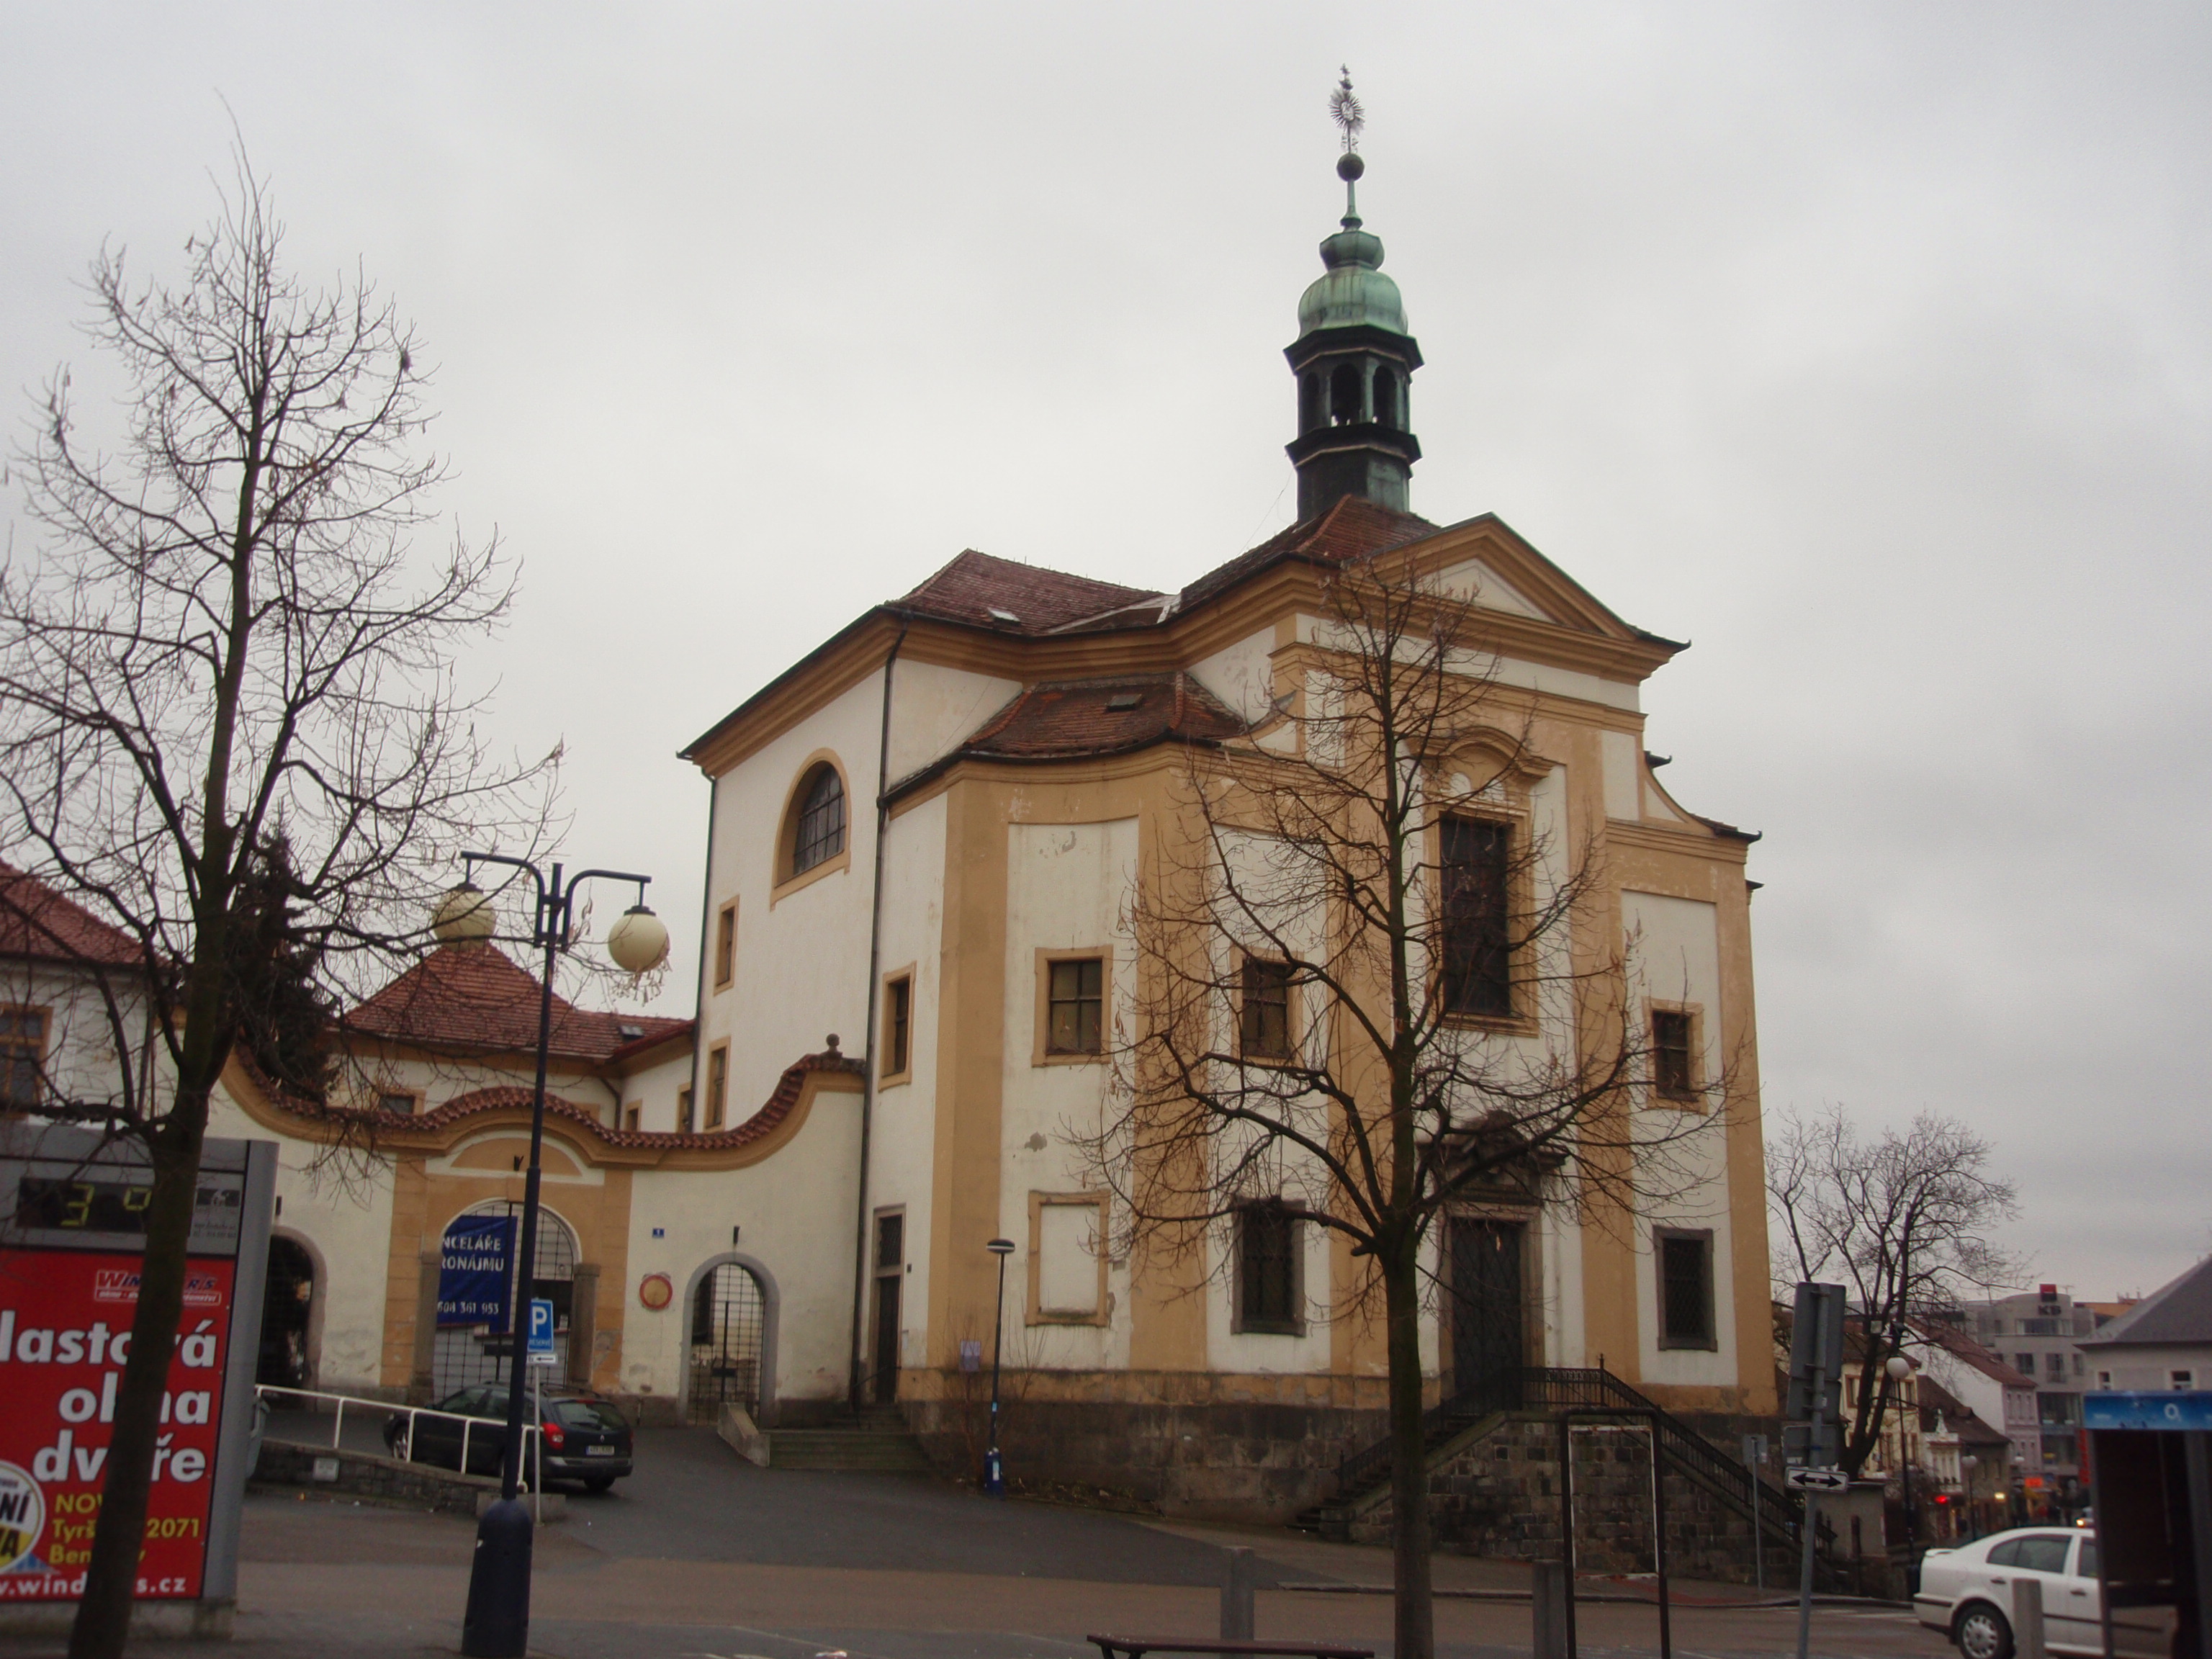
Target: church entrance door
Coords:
[[1489, 1340]]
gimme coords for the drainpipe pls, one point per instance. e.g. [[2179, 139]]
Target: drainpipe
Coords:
[[698, 986], [858, 1383]]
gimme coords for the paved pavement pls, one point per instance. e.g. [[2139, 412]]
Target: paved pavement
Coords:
[[701, 1556]]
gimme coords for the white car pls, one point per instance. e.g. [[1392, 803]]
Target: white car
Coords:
[[1967, 1594]]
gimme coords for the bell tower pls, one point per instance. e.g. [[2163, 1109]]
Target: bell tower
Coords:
[[1353, 360]]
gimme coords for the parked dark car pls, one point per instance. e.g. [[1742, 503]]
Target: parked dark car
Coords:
[[587, 1438]]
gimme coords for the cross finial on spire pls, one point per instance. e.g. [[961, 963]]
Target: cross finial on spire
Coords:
[[1344, 109]]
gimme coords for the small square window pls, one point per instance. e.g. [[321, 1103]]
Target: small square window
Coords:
[[1075, 1019], [2181, 1381], [1265, 1018], [1673, 1072], [1685, 1290], [633, 1116], [398, 1102], [1270, 1291]]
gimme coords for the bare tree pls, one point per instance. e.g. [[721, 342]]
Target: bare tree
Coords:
[[229, 720], [1904, 1222], [1377, 978]]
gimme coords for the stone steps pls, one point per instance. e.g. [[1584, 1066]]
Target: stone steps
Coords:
[[874, 1441]]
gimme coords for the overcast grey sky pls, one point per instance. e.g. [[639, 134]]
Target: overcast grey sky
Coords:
[[1867, 346]]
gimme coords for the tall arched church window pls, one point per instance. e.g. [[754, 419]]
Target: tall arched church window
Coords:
[[1309, 404], [820, 834], [1385, 400]]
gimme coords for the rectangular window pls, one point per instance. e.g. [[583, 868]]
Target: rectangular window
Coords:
[[400, 1102], [1265, 1018], [1478, 970], [2024, 1363], [1269, 1293], [22, 1055], [726, 945], [898, 1027], [1065, 1242], [2182, 1381], [633, 1116], [1685, 1290], [1672, 1071], [2104, 1379], [718, 1084], [890, 1241], [684, 1110], [2054, 1367], [1075, 1014]]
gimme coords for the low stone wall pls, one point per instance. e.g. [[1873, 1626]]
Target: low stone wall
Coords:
[[360, 1474], [1223, 1459], [1496, 1492]]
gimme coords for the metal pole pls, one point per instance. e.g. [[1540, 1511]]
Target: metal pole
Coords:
[[549, 907], [1818, 1351], [1567, 1518], [994, 1478], [1659, 1542]]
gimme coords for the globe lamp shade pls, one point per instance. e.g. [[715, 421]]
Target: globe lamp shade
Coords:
[[638, 941], [463, 917], [1899, 1368]]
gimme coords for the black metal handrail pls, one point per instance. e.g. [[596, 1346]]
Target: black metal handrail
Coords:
[[1555, 1388]]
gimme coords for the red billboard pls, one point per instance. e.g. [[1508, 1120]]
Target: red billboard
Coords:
[[64, 1335]]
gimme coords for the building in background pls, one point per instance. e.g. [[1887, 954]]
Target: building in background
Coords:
[[2161, 1343]]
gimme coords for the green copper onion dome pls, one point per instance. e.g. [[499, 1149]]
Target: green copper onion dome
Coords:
[[1353, 290]]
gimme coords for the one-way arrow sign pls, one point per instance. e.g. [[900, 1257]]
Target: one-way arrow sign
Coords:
[[1817, 1479]]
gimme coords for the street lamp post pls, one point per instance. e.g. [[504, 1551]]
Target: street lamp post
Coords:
[[994, 1473], [497, 1623]]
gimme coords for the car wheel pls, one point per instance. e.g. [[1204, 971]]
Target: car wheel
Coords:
[[1983, 1632], [396, 1439]]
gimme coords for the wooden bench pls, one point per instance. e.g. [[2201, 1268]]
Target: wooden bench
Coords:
[[1135, 1647]]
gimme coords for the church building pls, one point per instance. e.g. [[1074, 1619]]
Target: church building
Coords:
[[923, 840]]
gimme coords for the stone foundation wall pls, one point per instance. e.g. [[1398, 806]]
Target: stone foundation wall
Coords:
[[360, 1474], [1227, 1460], [1497, 1494]]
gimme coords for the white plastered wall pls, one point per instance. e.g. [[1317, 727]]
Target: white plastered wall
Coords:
[[802, 963], [933, 707], [1065, 886], [901, 1153], [1675, 957], [795, 1214], [1241, 675], [340, 1205]]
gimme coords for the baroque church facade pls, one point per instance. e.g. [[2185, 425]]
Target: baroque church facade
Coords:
[[923, 838]]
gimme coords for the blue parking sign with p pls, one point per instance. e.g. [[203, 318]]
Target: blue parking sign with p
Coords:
[[541, 1331]]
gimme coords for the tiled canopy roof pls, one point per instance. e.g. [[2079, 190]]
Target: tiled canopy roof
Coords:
[[37, 922], [471, 996], [1103, 717]]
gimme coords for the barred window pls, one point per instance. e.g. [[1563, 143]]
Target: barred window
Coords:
[[1685, 1290], [821, 832], [1267, 1289]]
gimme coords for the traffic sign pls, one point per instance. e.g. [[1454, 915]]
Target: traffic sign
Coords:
[[1817, 1479], [541, 1331]]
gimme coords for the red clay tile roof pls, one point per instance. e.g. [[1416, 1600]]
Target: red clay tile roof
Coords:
[[1073, 719], [1351, 529], [773, 1110], [37, 922], [1035, 600], [471, 996]]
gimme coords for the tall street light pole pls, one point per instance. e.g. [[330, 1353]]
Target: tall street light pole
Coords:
[[995, 1472], [497, 1623]]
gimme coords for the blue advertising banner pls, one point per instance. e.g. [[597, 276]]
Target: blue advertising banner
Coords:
[[2178, 1413], [472, 1269]]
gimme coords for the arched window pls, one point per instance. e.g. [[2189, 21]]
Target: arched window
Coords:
[[819, 833], [1385, 400], [1344, 395]]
